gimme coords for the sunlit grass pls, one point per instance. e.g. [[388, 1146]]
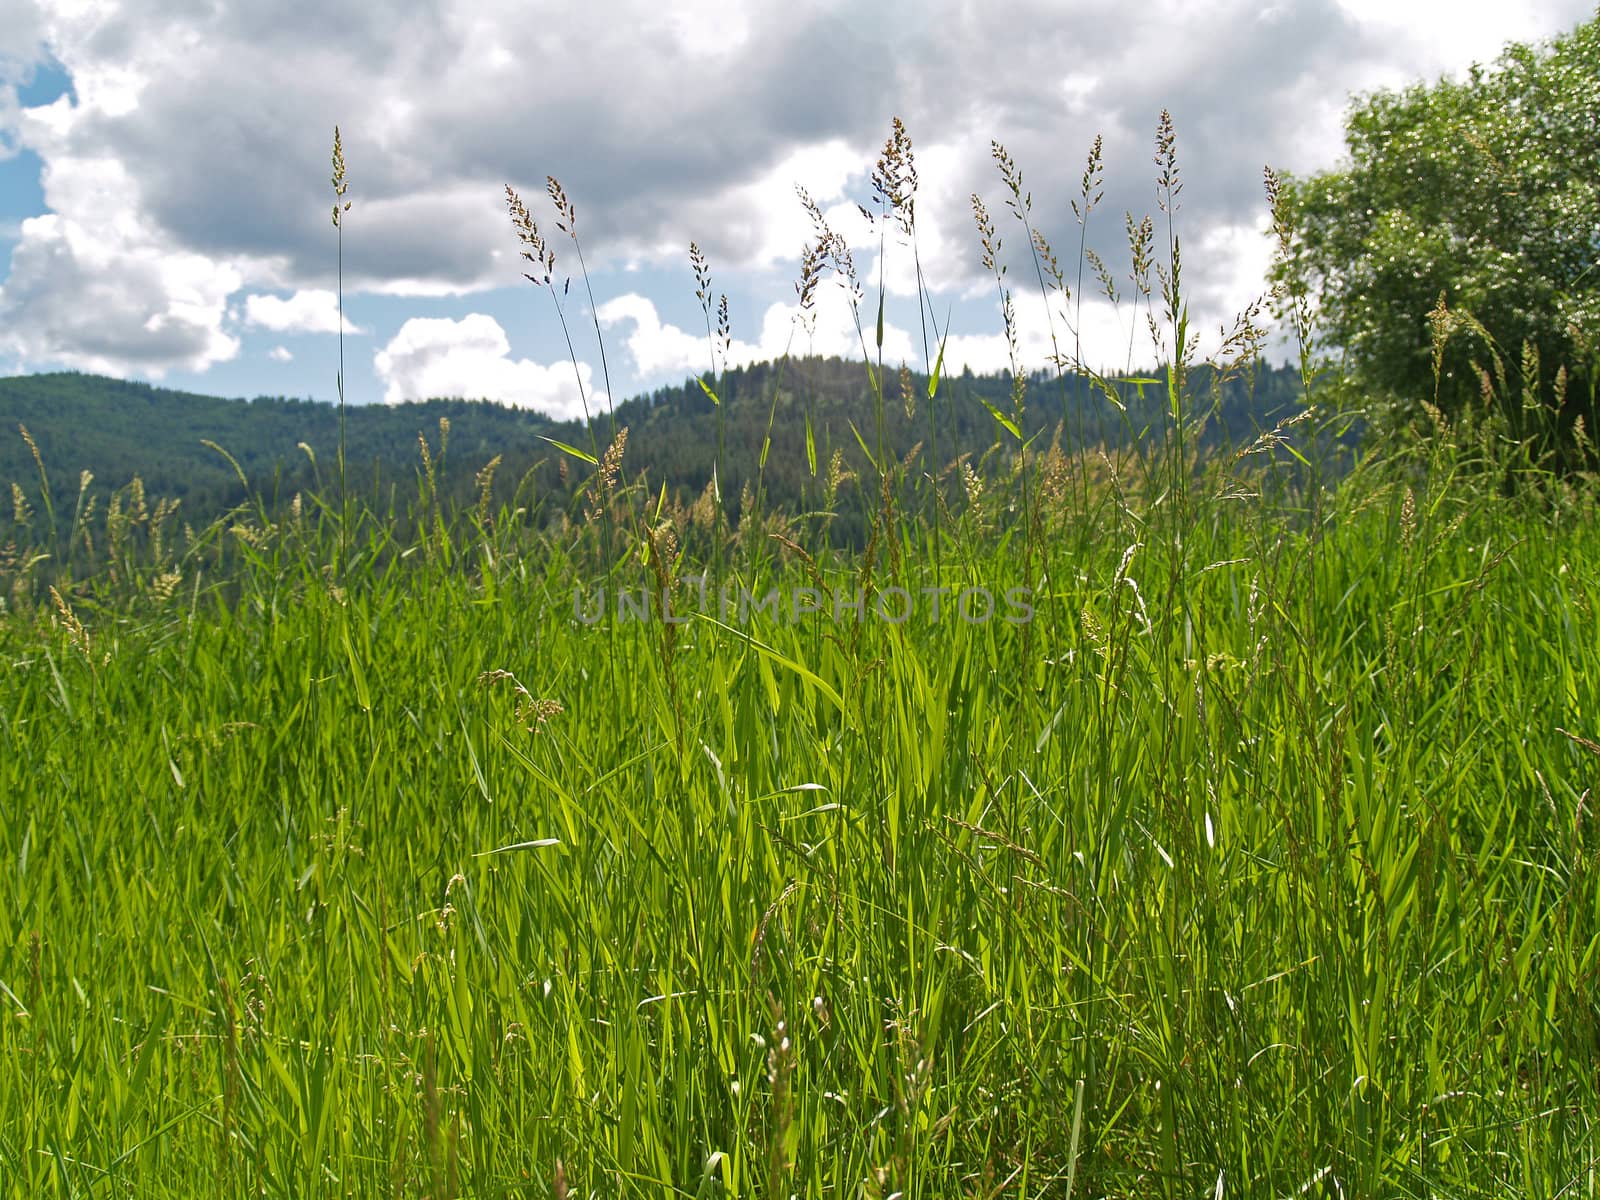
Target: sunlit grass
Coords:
[[1263, 861]]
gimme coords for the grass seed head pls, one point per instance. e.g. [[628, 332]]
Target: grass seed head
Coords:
[[76, 632], [986, 234], [566, 214], [484, 480], [33, 447], [805, 287], [340, 184], [702, 274], [535, 252], [1169, 182], [894, 180], [606, 478], [1092, 186], [1020, 201]]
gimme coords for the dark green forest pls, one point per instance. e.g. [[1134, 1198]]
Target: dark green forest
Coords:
[[174, 442]]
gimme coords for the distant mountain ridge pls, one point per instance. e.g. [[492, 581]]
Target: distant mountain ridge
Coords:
[[117, 429]]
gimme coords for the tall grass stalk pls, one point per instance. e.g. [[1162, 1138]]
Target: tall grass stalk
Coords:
[[341, 206]]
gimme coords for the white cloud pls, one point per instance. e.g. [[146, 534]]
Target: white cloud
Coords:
[[1098, 332], [21, 35], [280, 354], [113, 300], [661, 351], [1435, 38], [471, 358], [1109, 338], [94, 284], [762, 219], [200, 134], [9, 113], [707, 28], [658, 350], [311, 310]]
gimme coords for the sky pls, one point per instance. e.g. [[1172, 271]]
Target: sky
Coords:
[[166, 193]]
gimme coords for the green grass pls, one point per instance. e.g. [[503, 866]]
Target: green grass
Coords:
[[1303, 885], [1264, 862]]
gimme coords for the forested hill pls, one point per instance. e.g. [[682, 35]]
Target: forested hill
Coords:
[[118, 430]]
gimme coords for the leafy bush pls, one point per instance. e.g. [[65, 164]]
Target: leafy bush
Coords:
[[1477, 197]]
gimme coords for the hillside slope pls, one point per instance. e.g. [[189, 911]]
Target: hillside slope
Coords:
[[117, 430]]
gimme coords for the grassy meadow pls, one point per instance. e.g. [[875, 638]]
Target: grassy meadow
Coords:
[[1263, 860]]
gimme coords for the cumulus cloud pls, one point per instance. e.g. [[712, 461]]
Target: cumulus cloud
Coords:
[[21, 44], [311, 310], [95, 284], [1109, 338], [471, 358], [243, 170], [102, 300], [280, 354], [661, 350], [657, 349], [10, 115], [223, 116]]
